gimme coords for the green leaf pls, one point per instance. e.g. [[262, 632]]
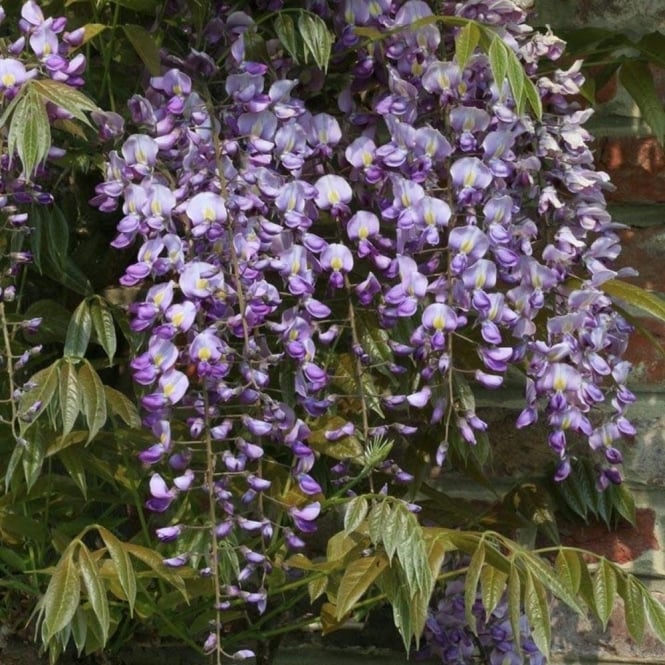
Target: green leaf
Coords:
[[285, 30], [317, 39], [498, 61], [155, 562], [15, 459], [145, 46], [466, 42], [623, 501], [378, 518], [123, 407], [44, 384], [516, 76], [604, 590], [471, 583], [90, 31], [569, 569], [93, 397], [70, 397], [633, 593], [55, 319], [316, 587], [647, 302], [29, 132], [62, 595], [140, 6], [637, 79], [656, 615], [102, 323], [492, 586], [357, 579], [73, 462], [515, 603], [56, 239], [356, 511], [78, 332], [412, 553], [79, 629], [533, 97], [95, 590], [392, 531], [123, 565], [538, 613], [70, 99]]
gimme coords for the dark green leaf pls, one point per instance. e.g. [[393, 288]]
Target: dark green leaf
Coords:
[[44, 384], [145, 46], [656, 615], [568, 568], [15, 459], [123, 407], [604, 590], [95, 590], [62, 595], [73, 462], [633, 593], [653, 46], [78, 332], [140, 6], [56, 239], [93, 397], [55, 320], [637, 79]]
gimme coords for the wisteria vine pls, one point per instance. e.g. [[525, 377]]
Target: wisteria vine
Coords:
[[421, 235]]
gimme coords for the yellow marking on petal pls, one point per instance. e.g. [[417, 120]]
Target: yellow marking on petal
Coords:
[[168, 389], [156, 207], [429, 217], [8, 80], [204, 353], [201, 283], [177, 90], [333, 197], [209, 214], [559, 383], [466, 246], [439, 322], [158, 298], [374, 9], [147, 256], [140, 156], [443, 81], [159, 358], [406, 199], [337, 263], [178, 318], [367, 157], [469, 179], [363, 232], [295, 267]]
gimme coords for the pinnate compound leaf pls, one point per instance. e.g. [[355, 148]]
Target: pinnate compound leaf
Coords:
[[145, 46], [317, 39], [604, 590], [93, 399], [358, 578], [123, 565], [356, 511], [94, 589], [78, 331], [471, 583], [538, 613], [62, 595], [70, 396], [102, 323], [466, 42]]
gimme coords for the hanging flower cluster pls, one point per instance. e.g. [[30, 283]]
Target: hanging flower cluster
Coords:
[[476, 237]]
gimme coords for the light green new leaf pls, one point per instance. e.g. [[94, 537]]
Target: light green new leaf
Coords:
[[317, 39], [356, 511], [492, 586], [358, 578], [90, 31], [70, 99], [316, 587], [62, 595], [102, 323], [29, 132], [93, 399], [145, 46], [466, 42], [604, 590], [538, 613], [44, 384], [70, 396], [122, 406], [379, 516], [78, 331], [392, 531], [515, 604], [498, 61], [123, 565], [471, 584], [637, 79], [285, 30], [645, 301], [79, 629], [95, 590], [33, 455], [156, 563], [516, 76], [412, 553]]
